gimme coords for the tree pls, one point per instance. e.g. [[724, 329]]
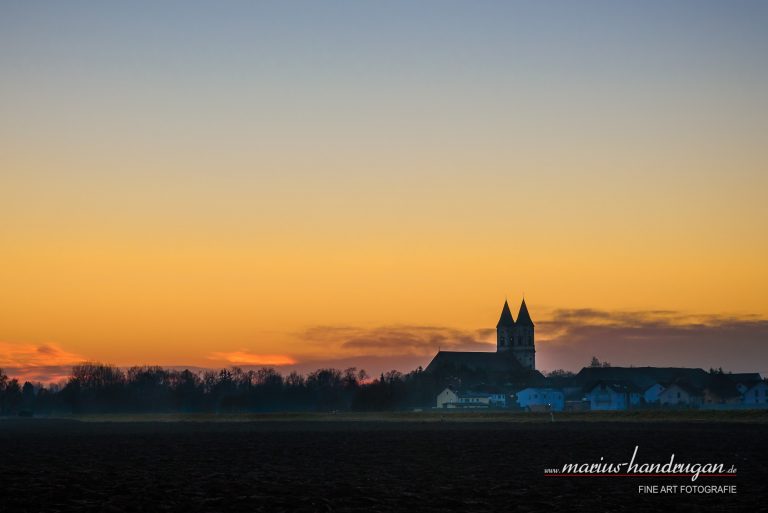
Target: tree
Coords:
[[268, 377], [11, 397], [350, 378], [393, 376], [96, 387], [326, 387], [97, 376], [149, 388], [187, 389], [224, 392], [294, 380], [28, 397]]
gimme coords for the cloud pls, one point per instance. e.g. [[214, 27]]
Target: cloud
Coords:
[[32, 362], [245, 358], [657, 337], [397, 339], [48, 350]]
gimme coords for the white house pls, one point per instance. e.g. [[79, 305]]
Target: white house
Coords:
[[612, 396], [449, 398], [757, 395], [497, 399], [680, 394], [550, 399], [651, 394]]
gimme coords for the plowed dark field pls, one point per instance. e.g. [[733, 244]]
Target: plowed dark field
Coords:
[[49, 466]]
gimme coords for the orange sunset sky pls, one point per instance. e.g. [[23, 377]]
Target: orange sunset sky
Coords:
[[347, 184]]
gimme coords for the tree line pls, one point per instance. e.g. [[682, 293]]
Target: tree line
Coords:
[[103, 388]]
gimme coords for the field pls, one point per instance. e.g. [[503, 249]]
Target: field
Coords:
[[378, 462], [476, 416]]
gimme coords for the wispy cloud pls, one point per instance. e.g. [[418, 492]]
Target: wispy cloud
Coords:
[[36, 362], [397, 339], [244, 357]]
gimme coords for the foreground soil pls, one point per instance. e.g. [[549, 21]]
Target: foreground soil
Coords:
[[66, 465]]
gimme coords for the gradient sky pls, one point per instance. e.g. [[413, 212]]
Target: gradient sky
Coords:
[[207, 183]]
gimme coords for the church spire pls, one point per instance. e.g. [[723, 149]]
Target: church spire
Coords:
[[506, 320], [523, 317]]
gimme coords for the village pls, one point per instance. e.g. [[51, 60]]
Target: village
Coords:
[[508, 379], [618, 388]]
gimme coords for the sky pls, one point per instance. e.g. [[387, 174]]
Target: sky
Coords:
[[303, 184]]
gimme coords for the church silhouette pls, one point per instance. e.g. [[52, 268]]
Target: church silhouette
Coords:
[[514, 358]]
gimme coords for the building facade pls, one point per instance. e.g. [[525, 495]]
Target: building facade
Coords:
[[450, 398], [517, 337], [757, 395], [612, 396], [541, 399]]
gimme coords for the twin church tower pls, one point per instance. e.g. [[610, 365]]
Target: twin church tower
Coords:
[[516, 337], [515, 354]]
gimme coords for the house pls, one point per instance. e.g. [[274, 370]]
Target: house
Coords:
[[450, 398], [547, 399], [641, 377], [493, 395], [757, 395], [651, 394], [446, 397], [721, 390], [744, 380], [616, 395], [571, 391], [681, 393]]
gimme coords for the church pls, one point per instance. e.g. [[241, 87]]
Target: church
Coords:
[[515, 354]]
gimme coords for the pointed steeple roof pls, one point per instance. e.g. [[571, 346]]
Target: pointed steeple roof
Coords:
[[506, 320], [523, 317]]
